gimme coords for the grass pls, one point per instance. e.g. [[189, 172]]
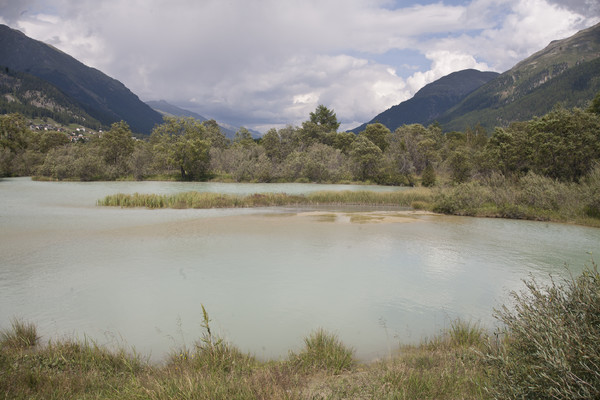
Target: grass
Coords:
[[547, 348], [213, 369], [532, 197], [323, 351], [216, 200], [23, 335]]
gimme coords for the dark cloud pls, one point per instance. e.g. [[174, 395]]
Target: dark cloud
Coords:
[[588, 8]]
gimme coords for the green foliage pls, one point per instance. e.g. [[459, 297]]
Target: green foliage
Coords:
[[14, 132], [117, 144], [325, 119], [366, 156], [185, 145], [428, 178], [562, 144], [595, 105], [21, 336], [379, 134], [243, 138], [460, 166], [323, 351], [550, 343]]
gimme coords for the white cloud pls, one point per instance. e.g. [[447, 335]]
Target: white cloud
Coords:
[[271, 62], [444, 62]]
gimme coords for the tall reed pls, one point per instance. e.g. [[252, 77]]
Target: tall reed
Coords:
[[215, 200]]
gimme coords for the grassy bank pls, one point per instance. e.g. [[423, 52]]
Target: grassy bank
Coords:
[[548, 348], [532, 197], [445, 367]]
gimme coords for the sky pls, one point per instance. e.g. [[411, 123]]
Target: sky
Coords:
[[269, 63]]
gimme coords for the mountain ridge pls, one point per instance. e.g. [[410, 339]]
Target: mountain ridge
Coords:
[[432, 100], [102, 97], [512, 95]]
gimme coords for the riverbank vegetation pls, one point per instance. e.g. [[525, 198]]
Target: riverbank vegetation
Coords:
[[545, 168], [548, 347], [406, 198], [533, 197]]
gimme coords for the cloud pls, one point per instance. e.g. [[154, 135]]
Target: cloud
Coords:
[[269, 63]]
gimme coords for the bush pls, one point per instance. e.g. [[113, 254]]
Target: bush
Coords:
[[550, 343]]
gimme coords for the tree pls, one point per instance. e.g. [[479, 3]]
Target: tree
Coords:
[[460, 165], [182, 144], [243, 138], [429, 177], [15, 135], [594, 107], [379, 134], [343, 141], [271, 142], [366, 156], [117, 144], [325, 118], [214, 134]]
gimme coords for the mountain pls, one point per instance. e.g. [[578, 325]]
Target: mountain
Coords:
[[165, 108], [566, 71], [103, 98], [432, 100], [35, 98]]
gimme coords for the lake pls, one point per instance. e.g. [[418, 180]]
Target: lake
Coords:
[[267, 276]]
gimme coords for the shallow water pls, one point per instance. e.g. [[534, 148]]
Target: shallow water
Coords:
[[267, 276]]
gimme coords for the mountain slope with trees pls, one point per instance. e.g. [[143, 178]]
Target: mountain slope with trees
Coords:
[[432, 100], [37, 99], [566, 71], [103, 98]]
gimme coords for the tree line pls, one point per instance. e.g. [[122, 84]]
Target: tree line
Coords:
[[563, 145]]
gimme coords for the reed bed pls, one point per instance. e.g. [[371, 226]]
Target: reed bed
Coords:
[[216, 200]]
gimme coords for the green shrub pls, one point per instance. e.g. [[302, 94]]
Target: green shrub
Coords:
[[323, 351], [549, 347]]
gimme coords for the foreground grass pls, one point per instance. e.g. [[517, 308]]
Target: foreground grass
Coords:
[[547, 348], [443, 368]]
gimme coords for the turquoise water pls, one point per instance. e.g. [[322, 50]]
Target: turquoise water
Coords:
[[267, 276]]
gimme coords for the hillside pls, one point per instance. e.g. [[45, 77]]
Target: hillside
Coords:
[[35, 98], [103, 98], [566, 71], [432, 100]]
